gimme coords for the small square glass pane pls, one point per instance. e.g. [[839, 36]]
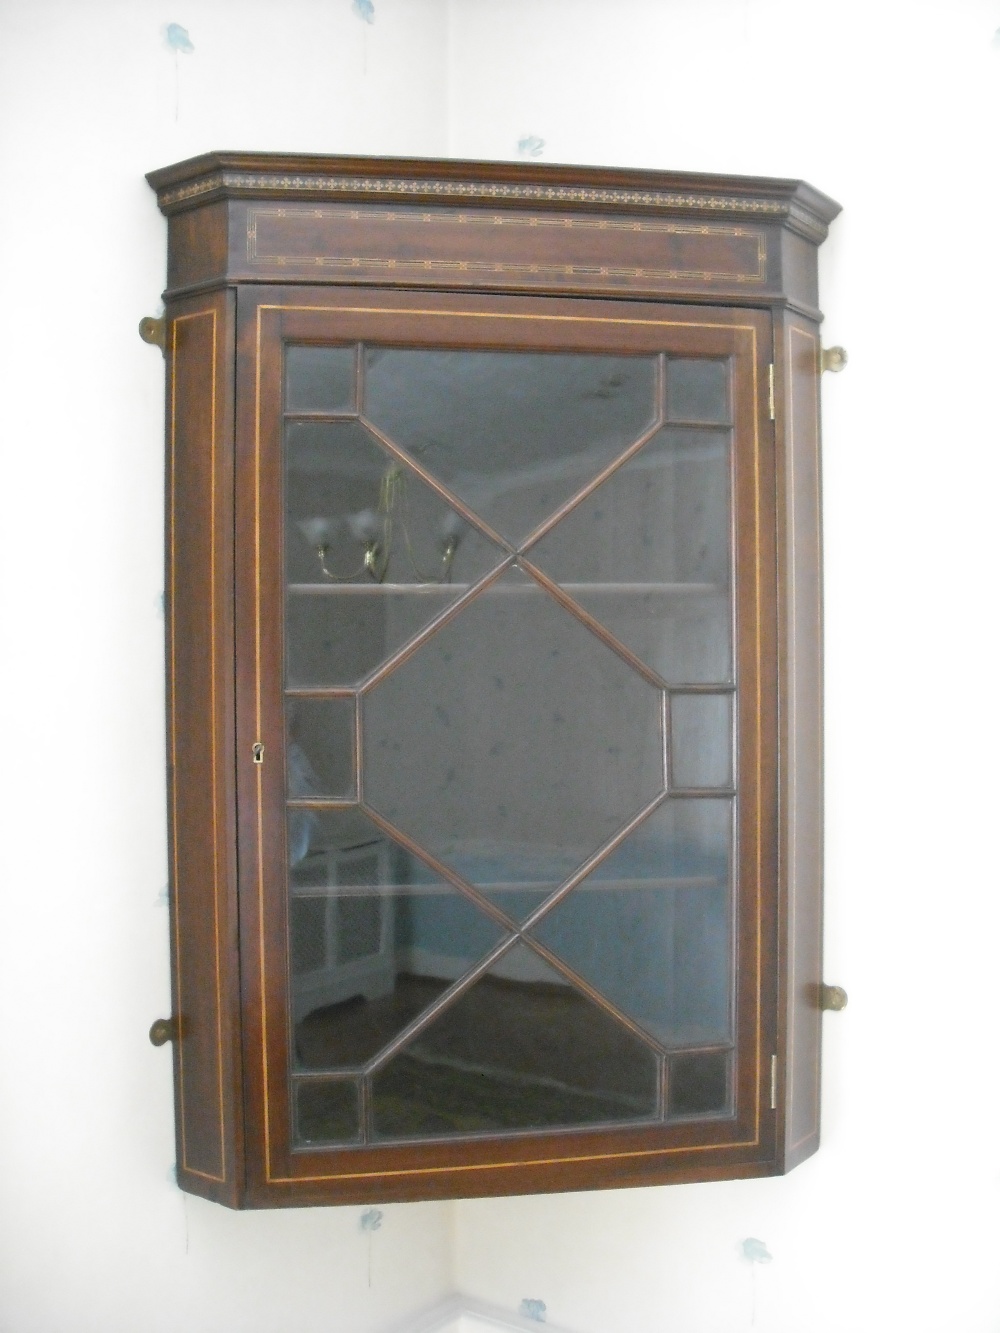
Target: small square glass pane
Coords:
[[701, 740], [319, 379], [698, 1084], [320, 754], [698, 391], [327, 1112]]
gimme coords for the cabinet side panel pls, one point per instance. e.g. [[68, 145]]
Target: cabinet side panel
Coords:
[[803, 738], [799, 282], [199, 243], [200, 741]]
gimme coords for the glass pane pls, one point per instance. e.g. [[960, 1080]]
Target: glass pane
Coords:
[[375, 938], [517, 880], [698, 1084], [701, 740], [650, 927], [319, 379], [521, 1049], [513, 434], [648, 555], [371, 553], [698, 391], [320, 753], [327, 1112], [513, 742]]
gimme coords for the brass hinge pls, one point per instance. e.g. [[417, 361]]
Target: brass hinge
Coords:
[[154, 331], [774, 1082], [770, 389]]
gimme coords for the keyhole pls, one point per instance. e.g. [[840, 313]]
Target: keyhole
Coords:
[[258, 752]]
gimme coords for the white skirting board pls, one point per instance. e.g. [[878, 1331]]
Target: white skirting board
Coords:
[[462, 1314]]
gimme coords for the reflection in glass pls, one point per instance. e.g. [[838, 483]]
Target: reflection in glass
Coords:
[[701, 745], [347, 496], [371, 553], [514, 879], [375, 938], [521, 1049], [513, 434], [650, 927], [533, 741], [698, 390], [327, 1112], [698, 1084], [320, 751], [648, 554], [319, 379], [511, 744]]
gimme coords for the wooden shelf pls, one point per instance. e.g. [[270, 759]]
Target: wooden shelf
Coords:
[[521, 886], [507, 589]]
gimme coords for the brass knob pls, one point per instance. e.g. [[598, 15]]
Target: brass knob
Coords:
[[833, 358], [162, 1031], [832, 997]]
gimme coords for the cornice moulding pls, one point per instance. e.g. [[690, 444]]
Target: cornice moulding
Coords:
[[201, 180]]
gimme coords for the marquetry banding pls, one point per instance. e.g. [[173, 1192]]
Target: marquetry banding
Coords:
[[252, 182]]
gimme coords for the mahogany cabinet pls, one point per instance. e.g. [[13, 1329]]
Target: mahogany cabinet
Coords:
[[493, 577]]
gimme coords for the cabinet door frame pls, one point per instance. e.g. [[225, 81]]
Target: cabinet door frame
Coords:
[[712, 1148]]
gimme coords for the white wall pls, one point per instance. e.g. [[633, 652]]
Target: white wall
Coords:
[[892, 108], [94, 1236]]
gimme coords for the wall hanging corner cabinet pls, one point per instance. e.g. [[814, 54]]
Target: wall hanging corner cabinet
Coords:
[[494, 676]]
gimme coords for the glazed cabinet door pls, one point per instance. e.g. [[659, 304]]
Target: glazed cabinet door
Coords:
[[506, 739]]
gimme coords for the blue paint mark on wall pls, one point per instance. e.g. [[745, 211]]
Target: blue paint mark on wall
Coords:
[[364, 10], [178, 38], [532, 1309], [530, 145], [371, 1219]]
